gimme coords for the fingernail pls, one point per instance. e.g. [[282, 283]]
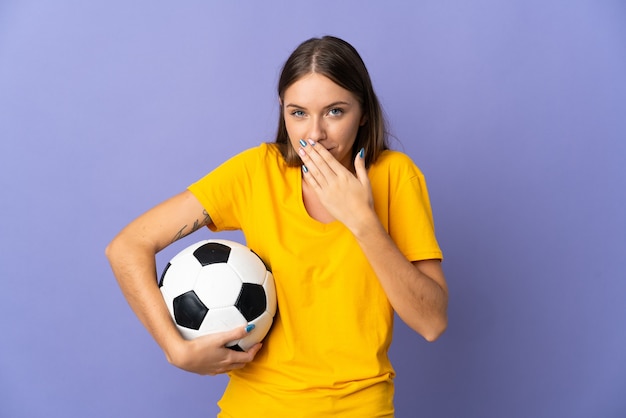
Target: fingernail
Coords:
[[250, 327], [311, 142], [306, 170], [362, 152], [303, 142]]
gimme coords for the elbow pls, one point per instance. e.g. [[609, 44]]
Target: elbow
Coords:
[[436, 330], [114, 250], [438, 323], [430, 329], [109, 251]]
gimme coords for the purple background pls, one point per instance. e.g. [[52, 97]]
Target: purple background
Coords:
[[514, 110]]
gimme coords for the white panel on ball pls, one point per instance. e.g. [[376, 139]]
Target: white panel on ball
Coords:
[[248, 271], [218, 285], [221, 319], [270, 293]]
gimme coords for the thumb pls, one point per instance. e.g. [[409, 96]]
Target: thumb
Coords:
[[359, 167], [236, 333]]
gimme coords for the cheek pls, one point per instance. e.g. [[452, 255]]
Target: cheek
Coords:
[[289, 126], [293, 135], [347, 133]]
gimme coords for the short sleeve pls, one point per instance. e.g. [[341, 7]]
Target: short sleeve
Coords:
[[403, 205], [223, 191]]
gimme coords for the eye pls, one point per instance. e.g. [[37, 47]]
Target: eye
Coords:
[[297, 113], [335, 111]]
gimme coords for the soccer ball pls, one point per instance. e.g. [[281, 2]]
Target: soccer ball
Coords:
[[218, 285]]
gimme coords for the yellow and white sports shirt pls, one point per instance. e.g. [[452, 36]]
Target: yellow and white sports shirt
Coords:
[[326, 354]]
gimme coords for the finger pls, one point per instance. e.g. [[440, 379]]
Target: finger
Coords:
[[309, 178], [235, 366], [323, 159], [238, 359], [227, 367], [318, 159], [252, 351], [310, 170]]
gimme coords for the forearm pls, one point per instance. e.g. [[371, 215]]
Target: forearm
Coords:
[[134, 267], [418, 294]]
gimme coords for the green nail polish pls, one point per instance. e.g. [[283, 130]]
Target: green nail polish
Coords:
[[303, 142]]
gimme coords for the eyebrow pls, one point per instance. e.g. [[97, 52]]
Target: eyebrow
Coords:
[[334, 104]]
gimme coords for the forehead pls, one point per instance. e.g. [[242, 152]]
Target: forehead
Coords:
[[315, 89]]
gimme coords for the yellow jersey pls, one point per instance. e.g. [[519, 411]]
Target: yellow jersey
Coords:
[[326, 354]]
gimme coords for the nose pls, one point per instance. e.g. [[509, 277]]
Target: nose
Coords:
[[317, 129]]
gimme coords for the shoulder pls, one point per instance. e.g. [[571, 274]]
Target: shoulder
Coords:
[[254, 158], [246, 166], [265, 152], [396, 164], [262, 151]]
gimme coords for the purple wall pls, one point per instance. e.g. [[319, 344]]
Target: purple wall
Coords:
[[515, 111]]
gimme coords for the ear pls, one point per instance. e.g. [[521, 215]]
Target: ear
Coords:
[[363, 120]]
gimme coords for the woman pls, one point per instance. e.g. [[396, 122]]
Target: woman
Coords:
[[344, 224]]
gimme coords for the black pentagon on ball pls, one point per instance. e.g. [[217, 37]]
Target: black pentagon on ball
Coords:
[[189, 311], [235, 347], [251, 301], [211, 253]]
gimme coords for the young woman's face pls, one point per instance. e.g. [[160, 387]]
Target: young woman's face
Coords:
[[316, 108]]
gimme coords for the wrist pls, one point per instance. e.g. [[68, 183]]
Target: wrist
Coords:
[[364, 224], [175, 350]]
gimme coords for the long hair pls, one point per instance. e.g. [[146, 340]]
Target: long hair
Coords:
[[340, 62]]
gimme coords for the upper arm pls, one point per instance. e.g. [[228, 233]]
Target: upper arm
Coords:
[[189, 215], [167, 222]]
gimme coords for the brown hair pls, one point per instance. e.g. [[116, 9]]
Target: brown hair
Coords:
[[340, 62]]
